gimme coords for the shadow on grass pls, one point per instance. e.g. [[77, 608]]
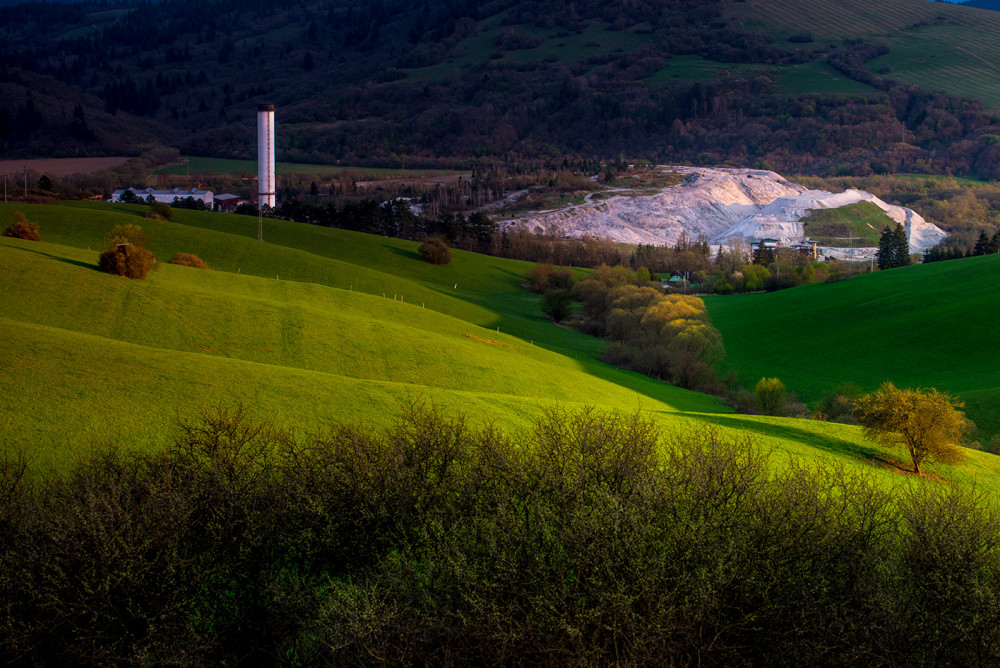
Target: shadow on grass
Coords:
[[408, 254], [825, 443], [78, 263]]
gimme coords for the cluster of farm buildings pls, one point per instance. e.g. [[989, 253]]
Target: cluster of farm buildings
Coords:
[[226, 202]]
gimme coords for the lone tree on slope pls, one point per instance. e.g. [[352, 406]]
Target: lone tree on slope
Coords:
[[927, 423]]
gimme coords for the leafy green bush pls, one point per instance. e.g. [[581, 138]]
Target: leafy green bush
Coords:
[[557, 304], [770, 396]]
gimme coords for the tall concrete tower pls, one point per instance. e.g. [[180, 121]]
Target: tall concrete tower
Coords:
[[265, 154]]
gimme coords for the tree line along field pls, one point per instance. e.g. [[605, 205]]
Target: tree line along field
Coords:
[[231, 167], [313, 326]]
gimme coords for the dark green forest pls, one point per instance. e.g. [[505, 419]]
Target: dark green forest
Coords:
[[453, 83]]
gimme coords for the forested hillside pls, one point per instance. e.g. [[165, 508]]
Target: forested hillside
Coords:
[[447, 83]]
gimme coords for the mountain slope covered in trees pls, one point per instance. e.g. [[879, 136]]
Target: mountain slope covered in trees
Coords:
[[451, 82]]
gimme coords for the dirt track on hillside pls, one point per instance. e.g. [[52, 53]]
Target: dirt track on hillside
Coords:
[[55, 167]]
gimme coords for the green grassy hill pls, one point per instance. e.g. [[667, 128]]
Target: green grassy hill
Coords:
[[862, 221], [931, 325], [315, 326]]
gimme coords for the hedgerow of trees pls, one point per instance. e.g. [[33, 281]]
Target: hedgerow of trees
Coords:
[[592, 538]]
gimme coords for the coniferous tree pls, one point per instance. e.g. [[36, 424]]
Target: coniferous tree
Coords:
[[893, 248], [901, 255], [886, 252], [982, 244]]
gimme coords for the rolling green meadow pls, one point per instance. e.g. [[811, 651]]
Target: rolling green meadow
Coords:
[[930, 325], [326, 451], [321, 326]]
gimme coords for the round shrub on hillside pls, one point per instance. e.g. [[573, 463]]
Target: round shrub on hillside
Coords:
[[160, 211], [125, 253], [22, 228], [435, 251], [189, 260]]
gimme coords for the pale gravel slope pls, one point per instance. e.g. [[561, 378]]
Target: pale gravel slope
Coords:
[[717, 203]]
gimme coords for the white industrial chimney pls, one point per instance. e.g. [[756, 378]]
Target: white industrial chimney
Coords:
[[265, 154]]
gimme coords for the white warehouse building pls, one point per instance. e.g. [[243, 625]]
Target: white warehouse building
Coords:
[[168, 196]]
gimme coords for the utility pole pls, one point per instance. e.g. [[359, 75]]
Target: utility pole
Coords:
[[25, 184]]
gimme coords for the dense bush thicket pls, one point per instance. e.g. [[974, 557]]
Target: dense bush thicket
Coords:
[[188, 260], [435, 251], [158, 210], [592, 540], [22, 228], [125, 254], [663, 336]]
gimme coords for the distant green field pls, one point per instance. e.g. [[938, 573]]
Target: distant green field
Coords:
[[933, 45], [931, 325], [862, 221], [316, 326], [199, 165], [814, 77]]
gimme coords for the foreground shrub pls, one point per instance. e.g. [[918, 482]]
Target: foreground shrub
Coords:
[[188, 260], [592, 540], [22, 228], [125, 253], [435, 251]]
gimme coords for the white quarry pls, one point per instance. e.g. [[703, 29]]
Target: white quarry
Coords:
[[717, 203]]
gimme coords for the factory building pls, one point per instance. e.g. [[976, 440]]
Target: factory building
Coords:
[[168, 196]]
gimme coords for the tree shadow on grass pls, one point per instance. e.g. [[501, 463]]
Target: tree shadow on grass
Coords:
[[821, 442], [78, 263], [408, 254]]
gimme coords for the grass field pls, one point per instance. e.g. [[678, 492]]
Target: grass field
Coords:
[[932, 45], [316, 326], [226, 166], [931, 325], [834, 227]]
